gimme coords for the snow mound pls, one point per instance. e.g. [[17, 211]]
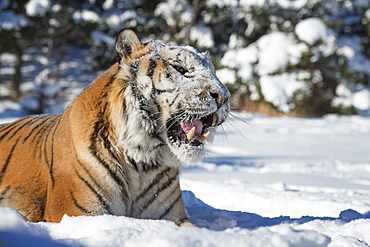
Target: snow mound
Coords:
[[312, 30], [274, 54], [287, 182]]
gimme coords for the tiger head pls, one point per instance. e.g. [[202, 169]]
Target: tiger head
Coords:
[[174, 96]]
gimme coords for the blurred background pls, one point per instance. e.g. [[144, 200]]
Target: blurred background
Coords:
[[277, 57]]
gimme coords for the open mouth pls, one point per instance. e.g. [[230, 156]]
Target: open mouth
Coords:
[[195, 131]]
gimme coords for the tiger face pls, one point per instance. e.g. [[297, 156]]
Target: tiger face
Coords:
[[180, 99]]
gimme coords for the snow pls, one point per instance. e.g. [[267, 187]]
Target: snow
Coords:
[[264, 182], [357, 96], [273, 52], [279, 89], [170, 10], [241, 60], [37, 7], [269, 57], [202, 35], [271, 67], [312, 30], [108, 4], [100, 38], [117, 19], [86, 15], [297, 4], [226, 75], [361, 100], [276, 43], [350, 47]]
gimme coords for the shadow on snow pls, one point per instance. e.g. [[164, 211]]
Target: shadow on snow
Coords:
[[203, 215]]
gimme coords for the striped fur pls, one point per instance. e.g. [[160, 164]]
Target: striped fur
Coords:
[[119, 146]]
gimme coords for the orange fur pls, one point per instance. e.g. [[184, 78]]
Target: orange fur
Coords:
[[112, 150], [43, 172]]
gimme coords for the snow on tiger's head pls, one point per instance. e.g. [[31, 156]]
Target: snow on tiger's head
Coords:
[[176, 98]]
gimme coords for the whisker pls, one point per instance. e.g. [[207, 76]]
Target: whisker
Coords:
[[173, 119], [235, 127], [234, 115], [218, 58], [224, 134]]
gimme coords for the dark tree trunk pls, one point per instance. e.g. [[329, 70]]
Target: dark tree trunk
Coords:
[[17, 77]]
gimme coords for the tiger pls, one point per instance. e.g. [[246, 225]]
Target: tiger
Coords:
[[119, 147]]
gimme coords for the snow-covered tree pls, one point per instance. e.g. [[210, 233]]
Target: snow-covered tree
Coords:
[[14, 29], [44, 29], [310, 58]]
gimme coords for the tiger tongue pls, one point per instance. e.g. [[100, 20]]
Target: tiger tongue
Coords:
[[188, 125]]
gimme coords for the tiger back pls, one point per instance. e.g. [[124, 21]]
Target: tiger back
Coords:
[[119, 146]]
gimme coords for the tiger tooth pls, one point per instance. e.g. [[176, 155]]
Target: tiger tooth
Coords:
[[214, 119], [204, 137], [190, 134]]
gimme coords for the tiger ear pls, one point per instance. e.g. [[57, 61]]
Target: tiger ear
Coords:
[[206, 53], [127, 43]]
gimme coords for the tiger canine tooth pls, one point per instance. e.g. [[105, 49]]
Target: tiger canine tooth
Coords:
[[214, 119], [204, 137], [190, 134]]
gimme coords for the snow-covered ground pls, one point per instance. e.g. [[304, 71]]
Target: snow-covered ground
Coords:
[[265, 182]]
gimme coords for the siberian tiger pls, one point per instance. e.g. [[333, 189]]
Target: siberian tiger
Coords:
[[119, 146]]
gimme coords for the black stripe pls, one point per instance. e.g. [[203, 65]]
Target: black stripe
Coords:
[[133, 163], [171, 90], [88, 173], [152, 66], [170, 207], [164, 186], [100, 198], [52, 151], [44, 139], [149, 166], [41, 136], [154, 182], [92, 178], [100, 158], [99, 135], [78, 205], [134, 69], [35, 128], [143, 102], [94, 151], [174, 99], [14, 125], [7, 161], [168, 75], [143, 166], [41, 132], [29, 123], [2, 195], [154, 100]]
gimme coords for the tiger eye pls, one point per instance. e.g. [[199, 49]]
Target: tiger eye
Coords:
[[180, 69]]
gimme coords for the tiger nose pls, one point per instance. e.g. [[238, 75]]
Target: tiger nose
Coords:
[[219, 97]]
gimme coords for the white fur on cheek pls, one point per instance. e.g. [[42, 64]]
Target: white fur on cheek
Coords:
[[135, 139]]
